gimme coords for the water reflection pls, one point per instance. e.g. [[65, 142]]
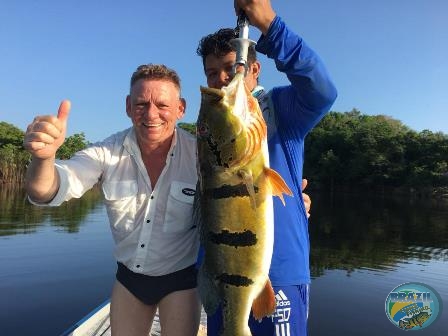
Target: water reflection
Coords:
[[347, 231], [18, 216], [361, 248], [350, 232]]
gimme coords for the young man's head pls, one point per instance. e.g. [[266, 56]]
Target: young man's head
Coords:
[[219, 56]]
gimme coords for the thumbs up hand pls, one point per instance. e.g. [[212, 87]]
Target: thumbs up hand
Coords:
[[46, 134]]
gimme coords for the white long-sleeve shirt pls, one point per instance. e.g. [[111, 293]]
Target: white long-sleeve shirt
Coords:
[[153, 229]]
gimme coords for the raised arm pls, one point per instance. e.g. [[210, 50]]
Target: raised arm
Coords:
[[312, 91], [42, 139]]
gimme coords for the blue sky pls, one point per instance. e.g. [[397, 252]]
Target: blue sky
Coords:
[[386, 56]]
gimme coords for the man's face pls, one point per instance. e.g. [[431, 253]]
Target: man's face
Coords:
[[219, 71], [154, 107]]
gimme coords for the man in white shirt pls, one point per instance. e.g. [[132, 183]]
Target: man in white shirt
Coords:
[[148, 177]]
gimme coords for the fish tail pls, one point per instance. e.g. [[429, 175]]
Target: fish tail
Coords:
[[402, 324], [264, 304], [278, 185]]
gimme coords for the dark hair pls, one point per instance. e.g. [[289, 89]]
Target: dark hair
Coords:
[[155, 71], [218, 44]]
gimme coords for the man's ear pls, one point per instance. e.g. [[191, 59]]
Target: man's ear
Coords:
[[255, 69], [128, 105], [182, 108]]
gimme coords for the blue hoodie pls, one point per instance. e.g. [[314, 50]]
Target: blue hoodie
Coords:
[[291, 112]]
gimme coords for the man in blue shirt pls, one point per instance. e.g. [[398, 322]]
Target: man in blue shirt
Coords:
[[290, 112]]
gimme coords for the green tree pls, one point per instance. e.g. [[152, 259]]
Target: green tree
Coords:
[[188, 127], [9, 134], [426, 159], [13, 158], [71, 145], [355, 150]]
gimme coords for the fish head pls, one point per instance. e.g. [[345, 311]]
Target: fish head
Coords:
[[230, 127]]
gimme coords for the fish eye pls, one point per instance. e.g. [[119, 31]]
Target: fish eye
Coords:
[[202, 130]]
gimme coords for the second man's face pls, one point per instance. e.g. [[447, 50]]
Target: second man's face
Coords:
[[219, 71]]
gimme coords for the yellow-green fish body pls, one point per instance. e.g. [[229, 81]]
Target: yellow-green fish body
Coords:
[[236, 212], [414, 321]]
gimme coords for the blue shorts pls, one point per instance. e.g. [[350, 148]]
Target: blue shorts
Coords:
[[290, 317]]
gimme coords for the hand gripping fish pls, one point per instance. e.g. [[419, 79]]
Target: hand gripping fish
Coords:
[[234, 206]]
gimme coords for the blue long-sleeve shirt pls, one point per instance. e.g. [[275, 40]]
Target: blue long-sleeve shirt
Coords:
[[291, 112]]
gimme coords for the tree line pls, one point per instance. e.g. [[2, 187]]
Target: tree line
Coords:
[[14, 158], [347, 150], [353, 150]]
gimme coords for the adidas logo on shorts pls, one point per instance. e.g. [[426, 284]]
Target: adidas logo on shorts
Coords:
[[282, 299]]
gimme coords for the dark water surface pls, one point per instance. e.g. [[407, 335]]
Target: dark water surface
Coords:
[[56, 264]]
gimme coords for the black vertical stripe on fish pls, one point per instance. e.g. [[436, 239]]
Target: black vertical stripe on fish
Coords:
[[226, 191], [214, 149], [236, 239], [235, 280]]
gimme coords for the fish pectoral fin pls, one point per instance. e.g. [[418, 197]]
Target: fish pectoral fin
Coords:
[[264, 304], [277, 183], [197, 219], [248, 181]]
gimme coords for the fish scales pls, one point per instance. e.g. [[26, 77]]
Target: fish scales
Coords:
[[235, 205]]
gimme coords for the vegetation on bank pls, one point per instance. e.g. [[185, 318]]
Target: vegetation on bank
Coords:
[[345, 150], [375, 152], [14, 159]]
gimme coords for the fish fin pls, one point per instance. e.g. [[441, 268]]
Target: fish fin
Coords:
[[197, 218], [264, 304], [207, 291], [278, 184], [249, 183]]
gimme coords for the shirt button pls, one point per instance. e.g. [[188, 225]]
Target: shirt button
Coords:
[[152, 197], [142, 245], [138, 266], [148, 220]]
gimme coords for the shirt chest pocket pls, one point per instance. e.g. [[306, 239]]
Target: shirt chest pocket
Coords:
[[179, 208], [120, 200]]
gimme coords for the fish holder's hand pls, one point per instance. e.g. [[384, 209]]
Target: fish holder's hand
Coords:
[[259, 12], [306, 198]]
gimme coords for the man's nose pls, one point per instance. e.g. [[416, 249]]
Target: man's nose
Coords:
[[225, 77], [150, 110]]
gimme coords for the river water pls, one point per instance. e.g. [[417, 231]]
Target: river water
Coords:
[[56, 264]]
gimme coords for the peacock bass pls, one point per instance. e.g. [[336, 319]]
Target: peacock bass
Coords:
[[234, 206]]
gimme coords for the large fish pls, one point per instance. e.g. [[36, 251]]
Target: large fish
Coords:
[[234, 199], [414, 321]]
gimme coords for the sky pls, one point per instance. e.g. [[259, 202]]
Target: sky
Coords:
[[386, 57]]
